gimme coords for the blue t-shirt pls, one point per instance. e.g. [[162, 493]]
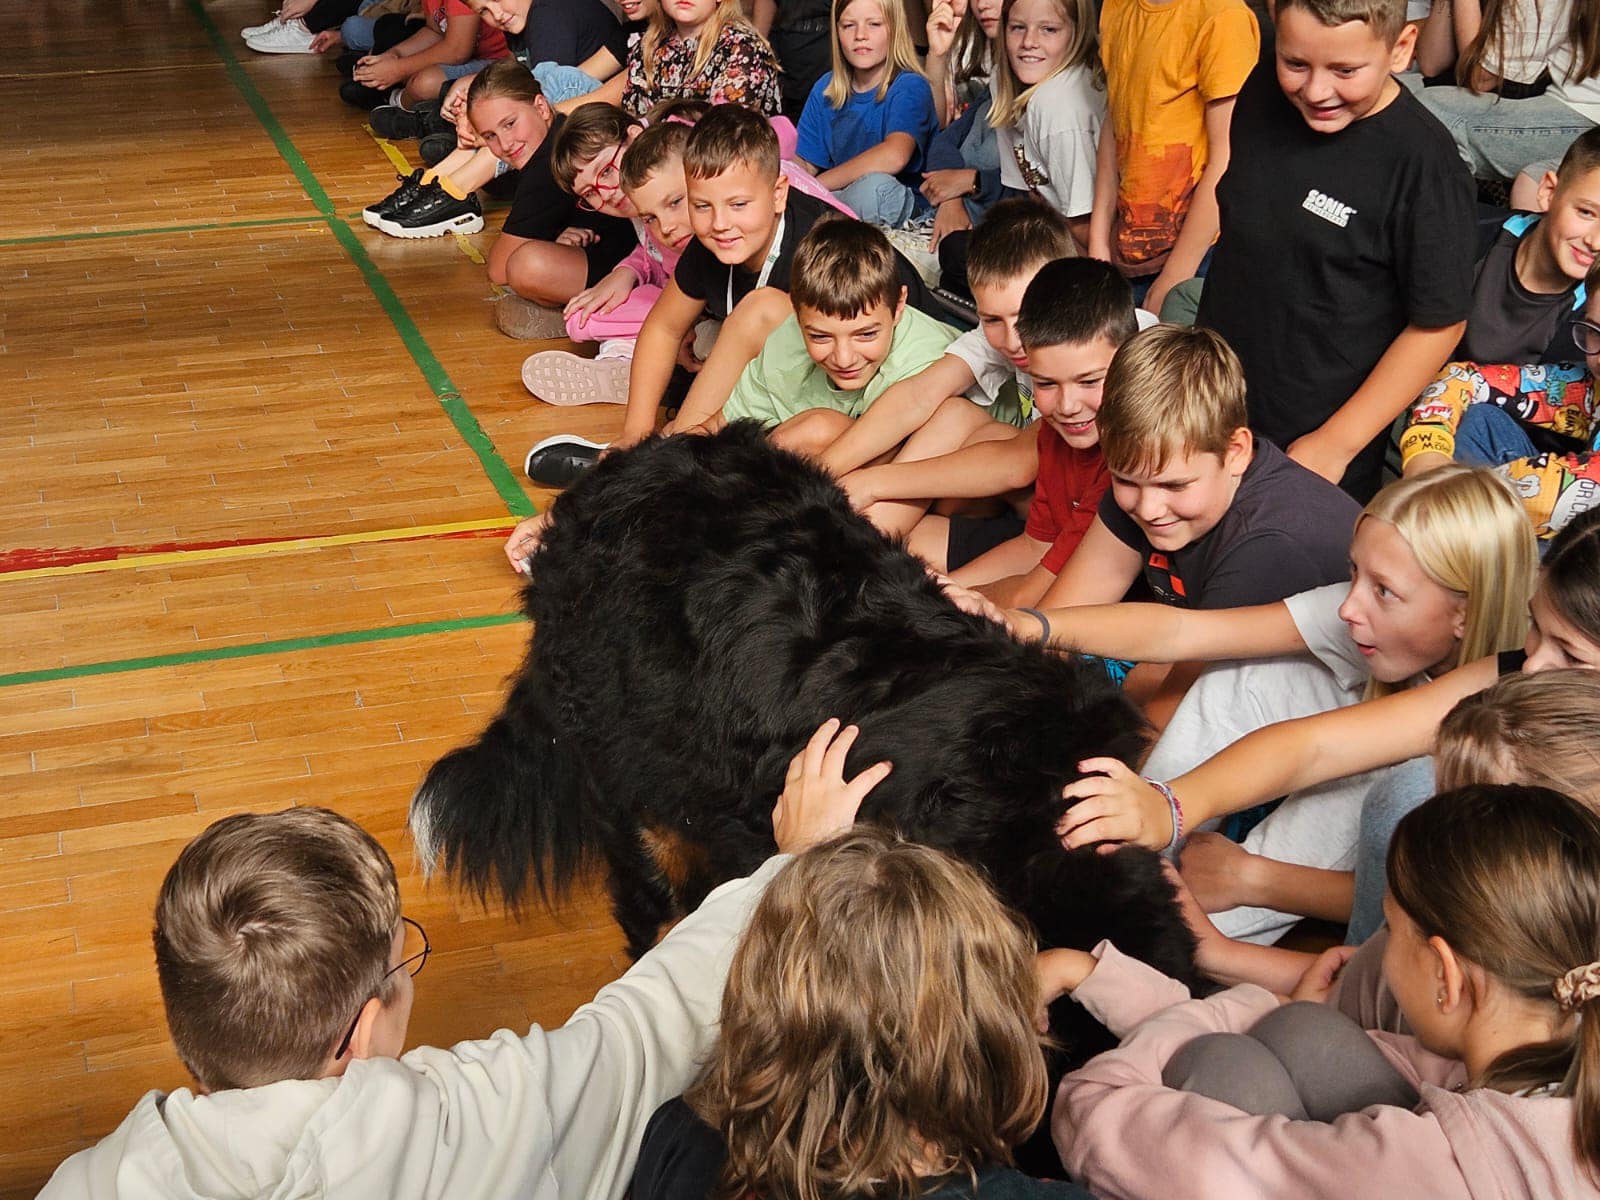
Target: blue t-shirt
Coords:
[[829, 136]]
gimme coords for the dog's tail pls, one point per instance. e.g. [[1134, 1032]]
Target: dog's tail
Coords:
[[507, 813]]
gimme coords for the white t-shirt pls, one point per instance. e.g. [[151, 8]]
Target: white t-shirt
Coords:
[[990, 368], [1316, 615], [1051, 149], [1537, 31]]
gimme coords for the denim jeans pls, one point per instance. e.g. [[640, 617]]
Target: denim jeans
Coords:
[[563, 83], [1498, 138], [879, 199], [1490, 437], [1400, 789]]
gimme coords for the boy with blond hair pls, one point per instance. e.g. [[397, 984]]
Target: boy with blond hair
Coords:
[[1210, 516], [286, 971], [1343, 273]]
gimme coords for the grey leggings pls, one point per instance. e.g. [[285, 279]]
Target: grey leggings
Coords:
[[1308, 1062]]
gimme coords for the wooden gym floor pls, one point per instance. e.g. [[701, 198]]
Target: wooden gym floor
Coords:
[[259, 461]]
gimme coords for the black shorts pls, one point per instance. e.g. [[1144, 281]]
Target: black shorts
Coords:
[[974, 536], [540, 210]]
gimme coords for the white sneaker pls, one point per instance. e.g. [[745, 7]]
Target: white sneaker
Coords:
[[563, 379], [290, 37], [253, 31]]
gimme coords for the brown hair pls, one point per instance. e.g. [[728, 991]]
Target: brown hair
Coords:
[[876, 1027], [503, 79], [1571, 575], [1171, 390], [1509, 877], [842, 268], [1541, 729], [590, 130], [730, 134], [1011, 98], [1581, 157], [663, 140], [272, 930], [1386, 18], [1016, 237], [1075, 301], [1501, 24]]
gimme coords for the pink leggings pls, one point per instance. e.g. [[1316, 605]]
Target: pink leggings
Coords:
[[623, 321]]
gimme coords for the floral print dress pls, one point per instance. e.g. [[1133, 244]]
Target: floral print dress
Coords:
[[741, 70]]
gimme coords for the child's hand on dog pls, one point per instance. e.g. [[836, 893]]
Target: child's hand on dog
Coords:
[[817, 801], [524, 540], [1111, 803]]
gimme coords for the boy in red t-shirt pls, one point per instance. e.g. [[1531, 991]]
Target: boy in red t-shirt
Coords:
[[1075, 313]]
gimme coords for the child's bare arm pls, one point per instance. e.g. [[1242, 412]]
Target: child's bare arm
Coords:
[[1222, 874], [987, 468], [1106, 183], [889, 156], [1201, 222], [898, 413], [1015, 557], [654, 355], [1100, 571], [1162, 633], [738, 343], [1407, 366]]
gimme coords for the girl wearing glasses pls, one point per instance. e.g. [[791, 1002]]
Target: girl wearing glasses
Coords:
[[1536, 423]]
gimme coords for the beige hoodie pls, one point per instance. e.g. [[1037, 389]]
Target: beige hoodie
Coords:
[[550, 1115]]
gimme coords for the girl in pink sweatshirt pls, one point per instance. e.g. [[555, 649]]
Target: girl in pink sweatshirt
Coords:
[[1493, 958]]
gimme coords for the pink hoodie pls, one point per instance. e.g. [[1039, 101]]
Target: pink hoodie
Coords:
[[1125, 1136]]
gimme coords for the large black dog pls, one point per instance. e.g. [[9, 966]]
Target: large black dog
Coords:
[[700, 606]]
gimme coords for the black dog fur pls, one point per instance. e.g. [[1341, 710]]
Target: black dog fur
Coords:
[[700, 606]]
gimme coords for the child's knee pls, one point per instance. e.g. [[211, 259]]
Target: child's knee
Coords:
[[878, 198], [810, 432]]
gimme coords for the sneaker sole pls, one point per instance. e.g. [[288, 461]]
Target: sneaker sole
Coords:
[[279, 49], [565, 380], [466, 223], [528, 322]]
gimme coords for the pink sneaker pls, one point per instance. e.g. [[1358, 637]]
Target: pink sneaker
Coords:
[[557, 377]]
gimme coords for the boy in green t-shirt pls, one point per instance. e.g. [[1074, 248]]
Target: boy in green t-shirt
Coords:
[[851, 336]]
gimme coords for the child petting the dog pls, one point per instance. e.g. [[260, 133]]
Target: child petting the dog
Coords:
[[850, 338], [286, 972], [877, 1031], [1494, 961]]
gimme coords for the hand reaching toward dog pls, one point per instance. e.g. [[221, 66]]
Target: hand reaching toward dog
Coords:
[[817, 801], [1316, 984], [1059, 972], [524, 540], [1113, 804]]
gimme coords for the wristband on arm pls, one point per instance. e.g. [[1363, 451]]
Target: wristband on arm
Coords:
[[1173, 808]]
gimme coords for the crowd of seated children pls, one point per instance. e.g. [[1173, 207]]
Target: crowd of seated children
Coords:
[[1441, 571], [1315, 214]]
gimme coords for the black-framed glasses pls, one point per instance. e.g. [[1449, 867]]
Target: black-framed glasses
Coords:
[[412, 965], [1587, 335], [606, 180]]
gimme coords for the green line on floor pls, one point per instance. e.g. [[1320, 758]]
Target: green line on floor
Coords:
[[282, 646], [500, 475]]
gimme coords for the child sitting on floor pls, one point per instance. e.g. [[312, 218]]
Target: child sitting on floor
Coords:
[[851, 336], [1494, 960], [877, 1038], [285, 967], [867, 123]]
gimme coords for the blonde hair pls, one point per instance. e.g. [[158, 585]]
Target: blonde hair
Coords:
[[1541, 729], [660, 27], [1171, 390], [1509, 877], [876, 1028], [1011, 98], [1470, 535], [902, 54], [272, 930]]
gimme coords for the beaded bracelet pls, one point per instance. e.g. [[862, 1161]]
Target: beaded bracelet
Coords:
[[1173, 807], [1044, 621]]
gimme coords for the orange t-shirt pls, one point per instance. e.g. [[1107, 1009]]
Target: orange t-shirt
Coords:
[[1164, 63]]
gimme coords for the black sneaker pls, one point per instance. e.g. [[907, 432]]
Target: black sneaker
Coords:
[[434, 148], [410, 185], [393, 123], [359, 95], [433, 212], [557, 461], [431, 114], [345, 64]]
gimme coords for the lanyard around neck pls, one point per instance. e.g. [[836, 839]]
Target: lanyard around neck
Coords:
[[766, 268]]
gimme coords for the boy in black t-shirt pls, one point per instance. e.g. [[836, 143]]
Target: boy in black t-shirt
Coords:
[[1205, 514], [747, 223], [1343, 271]]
